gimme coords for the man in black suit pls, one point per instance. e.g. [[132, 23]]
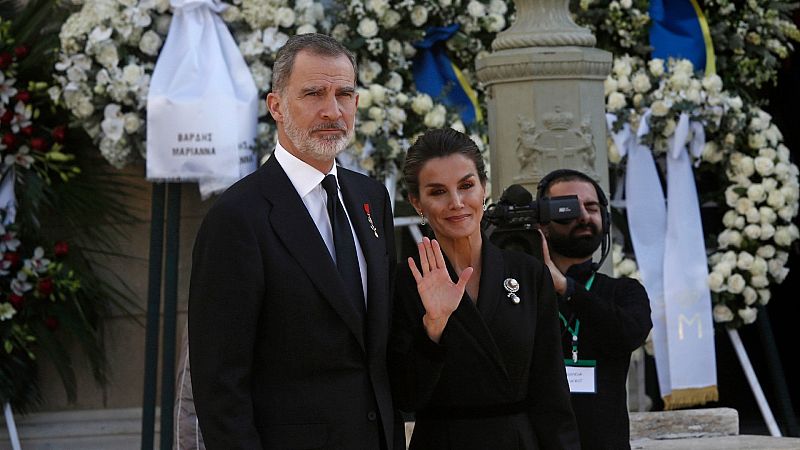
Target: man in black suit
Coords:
[[289, 299]]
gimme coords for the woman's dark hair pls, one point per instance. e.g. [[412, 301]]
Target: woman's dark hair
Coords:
[[439, 143]]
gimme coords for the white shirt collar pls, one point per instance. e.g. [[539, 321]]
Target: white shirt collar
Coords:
[[303, 176]]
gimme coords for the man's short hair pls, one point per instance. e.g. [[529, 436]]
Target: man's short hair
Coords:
[[315, 43]]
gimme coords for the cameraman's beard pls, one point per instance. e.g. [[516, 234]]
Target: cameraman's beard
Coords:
[[573, 246], [323, 149]]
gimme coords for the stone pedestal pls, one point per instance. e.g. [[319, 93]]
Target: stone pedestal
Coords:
[[546, 111]]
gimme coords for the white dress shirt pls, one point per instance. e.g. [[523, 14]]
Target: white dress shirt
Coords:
[[307, 182]]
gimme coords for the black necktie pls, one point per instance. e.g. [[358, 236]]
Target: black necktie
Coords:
[[346, 257]]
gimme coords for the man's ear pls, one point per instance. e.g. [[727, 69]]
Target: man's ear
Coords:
[[274, 106]]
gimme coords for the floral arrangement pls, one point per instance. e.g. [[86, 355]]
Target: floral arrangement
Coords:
[[49, 295], [760, 182], [750, 38], [108, 51]]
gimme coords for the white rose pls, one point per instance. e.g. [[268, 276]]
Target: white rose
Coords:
[[150, 43], [752, 231], [759, 266], [731, 196], [782, 171], [627, 267], [748, 314], [784, 154], [693, 95], [716, 282], [764, 166], [626, 4], [132, 123], [783, 237], [767, 231], [712, 83], [745, 261], [756, 141], [724, 268], [107, 55], [83, 108], [476, 9], [421, 104], [736, 103], [624, 83], [367, 28], [419, 15], [395, 82], [731, 237], [378, 93], [436, 117], [368, 128], [739, 223], [397, 115], [767, 214], [743, 205], [776, 199], [495, 23], [729, 218], [759, 281], [730, 257], [750, 295], [132, 73], [778, 270], [367, 72], [616, 101], [766, 251], [787, 213], [753, 216], [722, 313], [391, 19], [659, 108], [746, 166], [613, 153], [364, 98], [656, 66], [375, 113], [736, 284], [609, 85], [711, 152], [768, 152], [622, 67], [764, 296], [498, 7]]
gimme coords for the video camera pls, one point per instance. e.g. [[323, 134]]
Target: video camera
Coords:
[[511, 222]]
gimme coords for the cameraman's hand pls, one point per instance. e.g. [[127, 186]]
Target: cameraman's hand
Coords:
[[440, 296], [559, 280]]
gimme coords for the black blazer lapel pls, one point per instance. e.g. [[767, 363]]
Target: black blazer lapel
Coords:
[[293, 226], [357, 202], [477, 319]]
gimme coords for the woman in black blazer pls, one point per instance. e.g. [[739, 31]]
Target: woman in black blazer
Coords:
[[478, 360]]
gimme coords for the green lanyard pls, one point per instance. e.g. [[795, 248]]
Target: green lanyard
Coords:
[[574, 331]]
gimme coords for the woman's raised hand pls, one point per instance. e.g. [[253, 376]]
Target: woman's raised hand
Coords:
[[440, 296]]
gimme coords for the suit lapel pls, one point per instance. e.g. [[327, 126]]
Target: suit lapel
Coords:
[[293, 226], [374, 250]]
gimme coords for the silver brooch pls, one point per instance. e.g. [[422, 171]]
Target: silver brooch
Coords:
[[512, 286]]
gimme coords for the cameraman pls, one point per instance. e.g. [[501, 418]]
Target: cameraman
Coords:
[[603, 319]]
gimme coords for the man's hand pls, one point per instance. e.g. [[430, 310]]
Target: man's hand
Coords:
[[440, 296], [559, 280]]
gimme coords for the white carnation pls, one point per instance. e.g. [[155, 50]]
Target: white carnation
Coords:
[[421, 104], [764, 166], [659, 108], [436, 117], [656, 66], [476, 9], [759, 281], [750, 295], [736, 284], [763, 296], [716, 282], [745, 261], [752, 231], [150, 43], [616, 101], [378, 93]]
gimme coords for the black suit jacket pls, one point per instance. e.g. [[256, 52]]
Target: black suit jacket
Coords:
[[279, 356], [496, 380]]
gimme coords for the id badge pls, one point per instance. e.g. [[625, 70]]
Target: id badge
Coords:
[[582, 376]]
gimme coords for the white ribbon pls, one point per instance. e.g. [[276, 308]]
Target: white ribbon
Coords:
[[690, 327], [202, 106], [670, 251]]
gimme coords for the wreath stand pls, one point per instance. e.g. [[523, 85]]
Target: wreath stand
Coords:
[[11, 426]]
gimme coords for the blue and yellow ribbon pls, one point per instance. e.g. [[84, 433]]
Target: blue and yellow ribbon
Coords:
[[436, 75], [680, 30]]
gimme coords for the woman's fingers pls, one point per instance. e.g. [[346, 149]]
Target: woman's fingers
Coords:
[[437, 252], [466, 274], [423, 257], [429, 254], [414, 271]]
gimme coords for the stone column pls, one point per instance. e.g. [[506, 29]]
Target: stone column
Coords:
[[544, 81]]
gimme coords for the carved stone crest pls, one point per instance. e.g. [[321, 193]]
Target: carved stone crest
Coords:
[[556, 144]]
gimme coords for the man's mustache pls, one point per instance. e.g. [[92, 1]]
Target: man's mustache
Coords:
[[584, 226], [339, 125]]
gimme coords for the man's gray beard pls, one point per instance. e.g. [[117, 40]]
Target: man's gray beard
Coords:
[[321, 149]]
